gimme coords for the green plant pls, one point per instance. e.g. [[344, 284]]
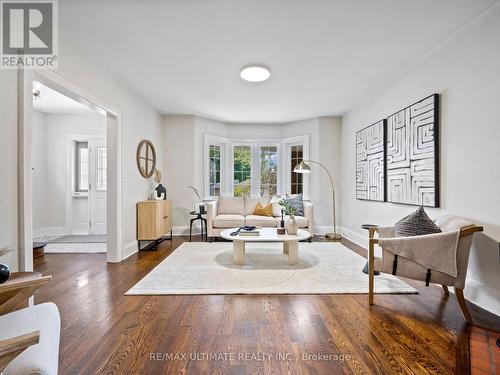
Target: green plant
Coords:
[[287, 207]]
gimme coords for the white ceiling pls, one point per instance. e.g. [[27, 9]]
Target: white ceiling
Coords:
[[325, 56], [51, 101]]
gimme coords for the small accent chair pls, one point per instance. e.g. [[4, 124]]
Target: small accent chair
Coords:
[[406, 267]]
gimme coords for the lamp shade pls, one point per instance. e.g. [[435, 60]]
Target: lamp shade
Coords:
[[302, 167]]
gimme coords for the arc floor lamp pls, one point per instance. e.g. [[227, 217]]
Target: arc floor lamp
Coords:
[[303, 167]]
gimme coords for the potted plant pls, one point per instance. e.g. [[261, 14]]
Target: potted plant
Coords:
[[291, 223]]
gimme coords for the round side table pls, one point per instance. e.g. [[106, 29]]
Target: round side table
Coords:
[[199, 216]]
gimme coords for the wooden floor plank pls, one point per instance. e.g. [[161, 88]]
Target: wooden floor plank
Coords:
[[106, 332]]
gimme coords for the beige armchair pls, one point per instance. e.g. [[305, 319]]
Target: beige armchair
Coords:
[[404, 266]]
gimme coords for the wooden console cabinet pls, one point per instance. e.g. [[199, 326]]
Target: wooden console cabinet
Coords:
[[154, 221]]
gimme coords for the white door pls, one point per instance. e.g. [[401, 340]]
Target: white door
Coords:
[[97, 186]]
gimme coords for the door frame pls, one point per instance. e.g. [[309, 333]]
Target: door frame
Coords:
[[59, 82]]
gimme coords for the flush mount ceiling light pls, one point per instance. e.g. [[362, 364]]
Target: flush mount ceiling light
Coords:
[[255, 73]]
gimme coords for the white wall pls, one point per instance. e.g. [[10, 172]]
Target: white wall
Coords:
[[139, 121], [184, 152], [51, 203], [8, 166], [465, 71]]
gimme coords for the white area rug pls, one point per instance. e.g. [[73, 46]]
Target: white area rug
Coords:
[[207, 268], [68, 248]]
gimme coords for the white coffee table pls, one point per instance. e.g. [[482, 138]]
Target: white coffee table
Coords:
[[290, 243]]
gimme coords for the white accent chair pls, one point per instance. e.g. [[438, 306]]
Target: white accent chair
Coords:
[[29, 340], [235, 212], [409, 268]]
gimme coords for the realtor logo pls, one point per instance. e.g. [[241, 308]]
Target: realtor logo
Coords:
[[29, 34]]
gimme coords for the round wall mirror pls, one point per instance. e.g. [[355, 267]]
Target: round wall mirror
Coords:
[[146, 158]]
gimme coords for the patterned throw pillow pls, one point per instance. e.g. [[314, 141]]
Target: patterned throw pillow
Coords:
[[297, 202], [263, 210], [416, 224]]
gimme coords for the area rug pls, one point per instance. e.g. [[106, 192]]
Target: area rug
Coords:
[[207, 268], [75, 248]]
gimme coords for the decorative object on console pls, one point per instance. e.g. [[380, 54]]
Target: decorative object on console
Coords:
[[412, 151], [146, 158], [303, 167], [4, 269], [160, 190], [370, 162]]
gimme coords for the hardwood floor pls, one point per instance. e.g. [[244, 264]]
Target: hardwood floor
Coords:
[[105, 332]]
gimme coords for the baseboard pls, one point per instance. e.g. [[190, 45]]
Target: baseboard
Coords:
[[483, 296], [184, 231], [355, 237], [130, 249], [323, 229], [49, 231]]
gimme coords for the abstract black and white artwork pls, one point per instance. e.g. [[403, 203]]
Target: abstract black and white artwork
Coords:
[[412, 154], [370, 162]]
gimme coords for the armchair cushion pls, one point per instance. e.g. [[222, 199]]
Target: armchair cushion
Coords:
[[416, 224]]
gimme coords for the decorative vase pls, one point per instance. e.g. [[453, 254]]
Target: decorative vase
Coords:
[[4, 273], [161, 192], [291, 225]]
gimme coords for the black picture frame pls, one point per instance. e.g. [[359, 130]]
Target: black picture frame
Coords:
[[402, 186], [366, 187]]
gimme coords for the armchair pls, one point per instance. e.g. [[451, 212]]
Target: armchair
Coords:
[[415, 257]]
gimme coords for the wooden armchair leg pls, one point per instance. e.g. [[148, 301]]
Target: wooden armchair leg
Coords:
[[463, 306], [446, 291], [371, 269]]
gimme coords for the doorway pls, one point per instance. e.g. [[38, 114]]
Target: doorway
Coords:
[[112, 118], [69, 175]]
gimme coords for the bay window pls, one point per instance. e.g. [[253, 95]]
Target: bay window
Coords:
[[255, 167], [268, 170], [242, 170]]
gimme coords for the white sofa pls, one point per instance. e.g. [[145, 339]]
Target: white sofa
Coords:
[[235, 212]]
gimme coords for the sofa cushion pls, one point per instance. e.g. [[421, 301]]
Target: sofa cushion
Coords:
[[263, 210], [416, 224], [260, 221], [231, 205], [229, 221], [296, 201], [276, 206], [302, 221], [251, 203]]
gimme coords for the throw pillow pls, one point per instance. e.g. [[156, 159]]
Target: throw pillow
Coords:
[[416, 224], [276, 206], [263, 210], [297, 202]]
